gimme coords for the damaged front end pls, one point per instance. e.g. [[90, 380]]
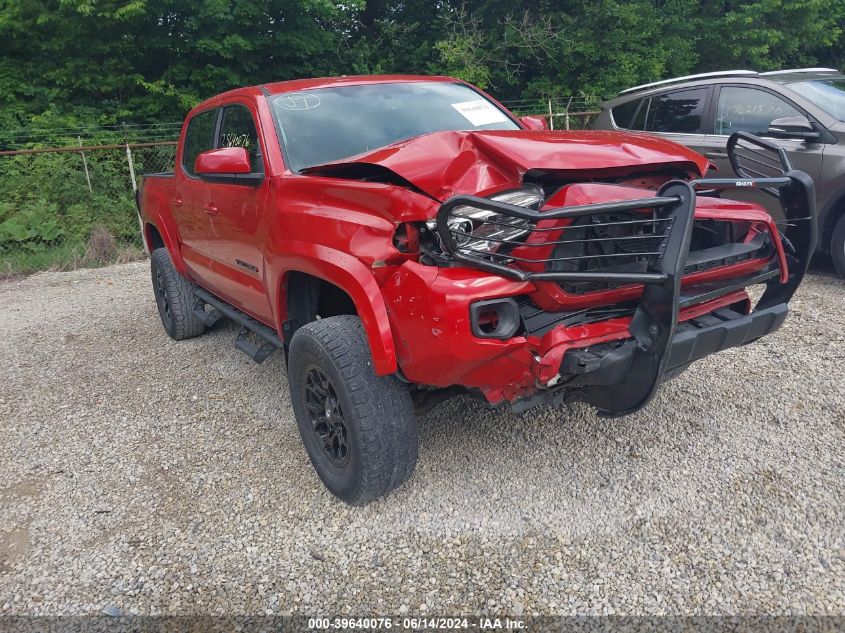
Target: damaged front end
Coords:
[[621, 294]]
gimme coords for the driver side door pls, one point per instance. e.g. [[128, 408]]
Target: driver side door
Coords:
[[236, 209]]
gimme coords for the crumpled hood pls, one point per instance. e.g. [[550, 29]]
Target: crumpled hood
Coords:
[[443, 164]]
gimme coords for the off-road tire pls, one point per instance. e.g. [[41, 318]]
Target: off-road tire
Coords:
[[837, 246], [376, 412], [174, 297]]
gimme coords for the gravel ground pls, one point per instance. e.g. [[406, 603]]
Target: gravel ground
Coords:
[[147, 476]]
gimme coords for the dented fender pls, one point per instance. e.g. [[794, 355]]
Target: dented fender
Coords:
[[428, 308]]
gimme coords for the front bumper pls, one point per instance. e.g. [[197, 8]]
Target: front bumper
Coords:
[[617, 363], [612, 374], [721, 330]]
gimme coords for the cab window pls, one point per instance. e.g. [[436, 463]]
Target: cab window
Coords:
[[238, 130], [198, 138], [749, 110]]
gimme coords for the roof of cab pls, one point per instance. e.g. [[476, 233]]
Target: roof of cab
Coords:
[[294, 85], [352, 80]]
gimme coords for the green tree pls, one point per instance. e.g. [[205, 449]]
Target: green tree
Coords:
[[70, 63], [773, 34]]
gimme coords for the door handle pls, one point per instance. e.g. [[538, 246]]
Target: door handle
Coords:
[[177, 202], [210, 209], [715, 155]]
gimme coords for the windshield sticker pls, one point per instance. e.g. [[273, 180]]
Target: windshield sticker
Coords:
[[300, 101], [480, 112]]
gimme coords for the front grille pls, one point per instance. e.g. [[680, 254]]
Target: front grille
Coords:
[[628, 245], [607, 244], [595, 247]]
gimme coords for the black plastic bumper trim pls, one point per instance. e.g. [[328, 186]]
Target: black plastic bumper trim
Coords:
[[609, 366], [693, 341], [726, 251]]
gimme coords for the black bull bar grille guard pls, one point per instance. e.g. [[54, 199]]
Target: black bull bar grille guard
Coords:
[[654, 322]]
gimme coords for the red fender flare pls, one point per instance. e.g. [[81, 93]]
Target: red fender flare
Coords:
[[347, 273]]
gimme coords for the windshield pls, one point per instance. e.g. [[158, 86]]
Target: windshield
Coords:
[[325, 125], [828, 94]]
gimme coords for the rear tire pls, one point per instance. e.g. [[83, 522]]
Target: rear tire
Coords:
[[359, 429], [837, 246], [174, 297]]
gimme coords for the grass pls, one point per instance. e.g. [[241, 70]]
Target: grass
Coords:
[[67, 256]]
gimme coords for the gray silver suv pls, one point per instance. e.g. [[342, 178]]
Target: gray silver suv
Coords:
[[804, 109]]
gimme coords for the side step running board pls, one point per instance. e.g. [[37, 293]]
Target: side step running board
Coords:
[[208, 318], [256, 351]]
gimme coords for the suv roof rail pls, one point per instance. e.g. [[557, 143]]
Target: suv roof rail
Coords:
[[722, 73], [799, 70]]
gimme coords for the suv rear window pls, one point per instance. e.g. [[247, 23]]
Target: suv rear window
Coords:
[[198, 139], [623, 113], [680, 112]]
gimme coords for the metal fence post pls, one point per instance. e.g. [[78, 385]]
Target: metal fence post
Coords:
[[551, 116], [131, 169], [568, 103], [85, 166]]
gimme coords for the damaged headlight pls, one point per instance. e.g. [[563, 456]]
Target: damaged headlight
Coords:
[[475, 229]]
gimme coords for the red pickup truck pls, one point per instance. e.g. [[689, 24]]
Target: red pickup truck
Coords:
[[404, 239]]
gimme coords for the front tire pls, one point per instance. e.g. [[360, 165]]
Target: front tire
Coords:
[[359, 429], [837, 247], [174, 297]]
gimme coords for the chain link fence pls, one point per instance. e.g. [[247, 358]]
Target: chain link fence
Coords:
[[63, 208], [561, 113], [73, 205]]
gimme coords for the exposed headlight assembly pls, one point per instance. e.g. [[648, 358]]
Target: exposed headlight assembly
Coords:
[[477, 230]]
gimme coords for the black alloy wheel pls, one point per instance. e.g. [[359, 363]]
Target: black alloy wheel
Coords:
[[327, 417]]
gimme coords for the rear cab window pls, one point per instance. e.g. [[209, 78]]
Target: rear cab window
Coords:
[[198, 138]]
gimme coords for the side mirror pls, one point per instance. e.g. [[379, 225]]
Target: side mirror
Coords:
[[793, 127], [222, 162], [228, 165], [534, 123]]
